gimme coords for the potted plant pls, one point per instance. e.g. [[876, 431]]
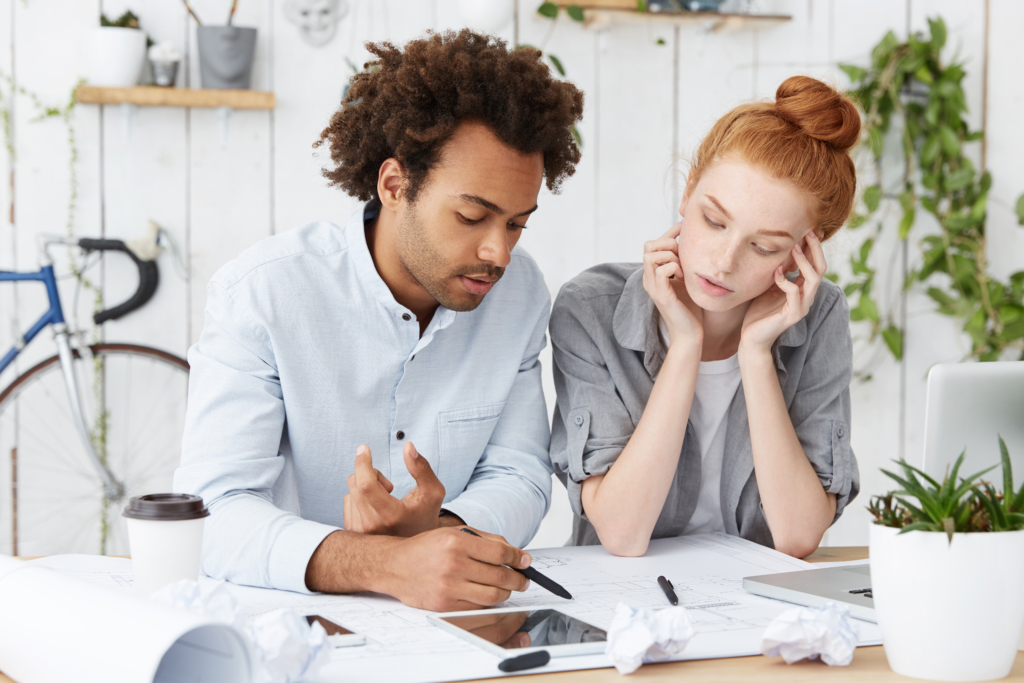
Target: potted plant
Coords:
[[116, 52], [946, 574], [225, 53]]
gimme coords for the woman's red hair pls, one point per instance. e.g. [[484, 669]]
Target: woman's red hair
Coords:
[[803, 137]]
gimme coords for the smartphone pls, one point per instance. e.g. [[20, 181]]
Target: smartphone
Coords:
[[338, 635], [525, 630]]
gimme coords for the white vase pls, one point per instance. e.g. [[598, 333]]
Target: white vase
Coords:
[[115, 56], [948, 611], [487, 15]]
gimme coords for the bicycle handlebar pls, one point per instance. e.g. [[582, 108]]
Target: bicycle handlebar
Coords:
[[149, 278]]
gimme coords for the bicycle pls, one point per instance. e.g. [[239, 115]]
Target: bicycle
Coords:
[[87, 428]]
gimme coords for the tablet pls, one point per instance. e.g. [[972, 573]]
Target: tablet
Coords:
[[513, 631]]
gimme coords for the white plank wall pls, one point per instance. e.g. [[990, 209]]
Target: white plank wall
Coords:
[[647, 107]]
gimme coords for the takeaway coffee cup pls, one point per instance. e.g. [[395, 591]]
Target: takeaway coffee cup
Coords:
[[165, 531]]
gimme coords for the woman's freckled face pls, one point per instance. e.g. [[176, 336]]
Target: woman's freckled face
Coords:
[[726, 257]]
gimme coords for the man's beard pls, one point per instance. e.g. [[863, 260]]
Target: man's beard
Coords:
[[429, 267]]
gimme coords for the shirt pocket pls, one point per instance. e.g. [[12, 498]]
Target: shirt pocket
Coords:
[[462, 436]]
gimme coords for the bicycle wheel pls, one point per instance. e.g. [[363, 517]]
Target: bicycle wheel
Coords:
[[51, 497]]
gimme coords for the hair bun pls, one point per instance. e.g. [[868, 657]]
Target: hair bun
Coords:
[[819, 111]]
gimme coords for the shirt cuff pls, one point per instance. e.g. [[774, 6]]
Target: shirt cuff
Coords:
[[475, 515], [292, 551]]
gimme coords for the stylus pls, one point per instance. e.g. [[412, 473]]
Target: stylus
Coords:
[[533, 575], [527, 661], [668, 589]]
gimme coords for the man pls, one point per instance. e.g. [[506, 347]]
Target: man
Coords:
[[359, 393]]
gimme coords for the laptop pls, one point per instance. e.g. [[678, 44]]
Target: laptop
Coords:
[[968, 405], [850, 586]]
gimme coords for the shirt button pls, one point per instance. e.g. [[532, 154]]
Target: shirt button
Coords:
[[400, 435], [406, 316], [578, 420], [413, 357], [839, 432]]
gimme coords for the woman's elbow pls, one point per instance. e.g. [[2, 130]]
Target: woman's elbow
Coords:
[[623, 544], [798, 547]]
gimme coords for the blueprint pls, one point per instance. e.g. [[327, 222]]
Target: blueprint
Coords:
[[707, 571]]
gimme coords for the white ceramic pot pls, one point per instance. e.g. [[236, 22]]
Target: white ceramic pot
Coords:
[[948, 611], [487, 15], [115, 56]]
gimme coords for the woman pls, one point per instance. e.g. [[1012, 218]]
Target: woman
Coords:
[[703, 390]]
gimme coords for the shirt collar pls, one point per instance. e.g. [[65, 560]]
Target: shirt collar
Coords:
[[635, 326]]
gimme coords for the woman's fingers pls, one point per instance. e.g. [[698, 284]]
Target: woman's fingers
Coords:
[[792, 292], [816, 253], [808, 281]]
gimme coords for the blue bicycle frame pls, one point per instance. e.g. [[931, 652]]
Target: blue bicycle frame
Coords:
[[54, 316], [113, 490]]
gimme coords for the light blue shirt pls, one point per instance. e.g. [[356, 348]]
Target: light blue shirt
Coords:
[[305, 355]]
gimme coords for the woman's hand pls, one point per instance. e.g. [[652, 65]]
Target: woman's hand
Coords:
[[663, 281], [785, 303]]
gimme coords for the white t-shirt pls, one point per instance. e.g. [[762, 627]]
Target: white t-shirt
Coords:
[[717, 382]]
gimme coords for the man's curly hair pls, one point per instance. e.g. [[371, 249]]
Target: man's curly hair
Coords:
[[407, 104]]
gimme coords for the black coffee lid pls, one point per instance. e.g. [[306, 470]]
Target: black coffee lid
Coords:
[[166, 506]]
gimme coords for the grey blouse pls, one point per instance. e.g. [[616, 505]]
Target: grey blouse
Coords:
[[607, 353]]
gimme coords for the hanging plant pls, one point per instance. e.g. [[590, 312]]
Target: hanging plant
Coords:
[[909, 83]]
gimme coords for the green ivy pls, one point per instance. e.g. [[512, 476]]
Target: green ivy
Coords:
[[550, 10], [908, 82]]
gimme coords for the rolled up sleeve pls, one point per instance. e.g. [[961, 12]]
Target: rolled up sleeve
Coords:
[[582, 447], [230, 455], [509, 491], [820, 409]]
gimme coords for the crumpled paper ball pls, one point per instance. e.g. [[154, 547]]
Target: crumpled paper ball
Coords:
[[805, 633], [288, 648], [644, 635], [283, 646]]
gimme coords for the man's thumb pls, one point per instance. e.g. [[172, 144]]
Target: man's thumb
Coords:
[[419, 468]]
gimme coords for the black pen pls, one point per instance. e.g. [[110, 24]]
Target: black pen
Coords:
[[667, 588], [530, 660], [533, 575]]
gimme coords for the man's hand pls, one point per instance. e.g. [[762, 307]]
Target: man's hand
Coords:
[[446, 570], [371, 509], [441, 570]]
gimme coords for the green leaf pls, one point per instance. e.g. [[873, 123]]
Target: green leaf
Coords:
[[868, 308], [906, 223], [558, 64], [929, 204], [659, 41], [938, 30], [855, 73], [959, 179], [873, 197], [641, 5], [575, 12], [975, 136], [875, 141], [576, 135], [1004, 456], [932, 111], [548, 9], [880, 53], [930, 150], [907, 199], [856, 221], [980, 206], [986, 181], [893, 337], [950, 141], [924, 75], [1020, 210], [831, 277]]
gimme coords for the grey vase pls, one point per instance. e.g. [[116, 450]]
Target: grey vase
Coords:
[[225, 56]]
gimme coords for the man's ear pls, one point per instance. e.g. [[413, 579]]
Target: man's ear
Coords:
[[390, 183]]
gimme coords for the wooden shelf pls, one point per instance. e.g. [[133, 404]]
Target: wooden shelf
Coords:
[[155, 96], [598, 18]]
